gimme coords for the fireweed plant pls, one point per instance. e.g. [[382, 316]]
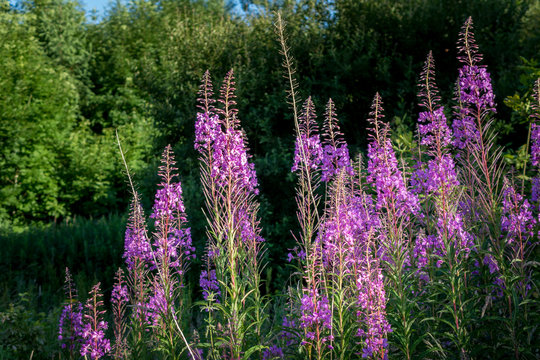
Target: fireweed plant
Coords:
[[433, 231], [231, 281], [435, 260], [70, 325]]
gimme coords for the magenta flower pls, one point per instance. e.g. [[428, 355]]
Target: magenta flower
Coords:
[[517, 219], [369, 280], [207, 129], [229, 158], [335, 153], [137, 247], [350, 230], [348, 227], [234, 242], [286, 334], [308, 150], [474, 91], [491, 263], [475, 87], [316, 316], [383, 170], [221, 141], [158, 306], [535, 144], [119, 293], [70, 325], [438, 177], [71, 318], [372, 302], [273, 352], [94, 343], [434, 129], [535, 189], [311, 147], [210, 285], [172, 240]]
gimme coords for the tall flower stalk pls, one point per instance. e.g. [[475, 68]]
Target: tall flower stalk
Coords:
[[70, 324], [396, 205], [337, 172], [535, 145], [119, 302], [156, 270], [234, 247], [447, 244], [354, 273], [315, 313], [94, 344], [374, 326], [480, 158], [137, 255], [172, 249], [511, 266]]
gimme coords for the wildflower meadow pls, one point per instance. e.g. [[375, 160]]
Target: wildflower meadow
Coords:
[[430, 256], [424, 253]]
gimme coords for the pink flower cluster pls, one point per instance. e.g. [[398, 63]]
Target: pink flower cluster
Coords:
[[229, 159]]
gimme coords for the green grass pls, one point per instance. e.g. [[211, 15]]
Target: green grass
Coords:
[[33, 261]]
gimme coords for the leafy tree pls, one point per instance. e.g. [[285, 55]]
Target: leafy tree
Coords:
[[37, 114]]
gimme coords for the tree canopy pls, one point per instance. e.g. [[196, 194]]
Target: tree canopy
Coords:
[[68, 83]]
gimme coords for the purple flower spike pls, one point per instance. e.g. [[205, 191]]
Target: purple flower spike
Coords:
[[535, 144], [210, 285], [517, 219], [474, 91], [433, 128], [438, 178], [372, 304], [120, 291], [535, 135], [221, 141], [335, 154], [157, 306], [383, 170], [273, 352], [137, 247], [308, 151], [316, 315], [172, 241], [94, 344], [70, 324], [491, 263], [229, 156], [207, 130]]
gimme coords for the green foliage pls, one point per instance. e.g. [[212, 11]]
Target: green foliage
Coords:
[[24, 333], [60, 27], [37, 258], [138, 71], [35, 122], [54, 163]]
